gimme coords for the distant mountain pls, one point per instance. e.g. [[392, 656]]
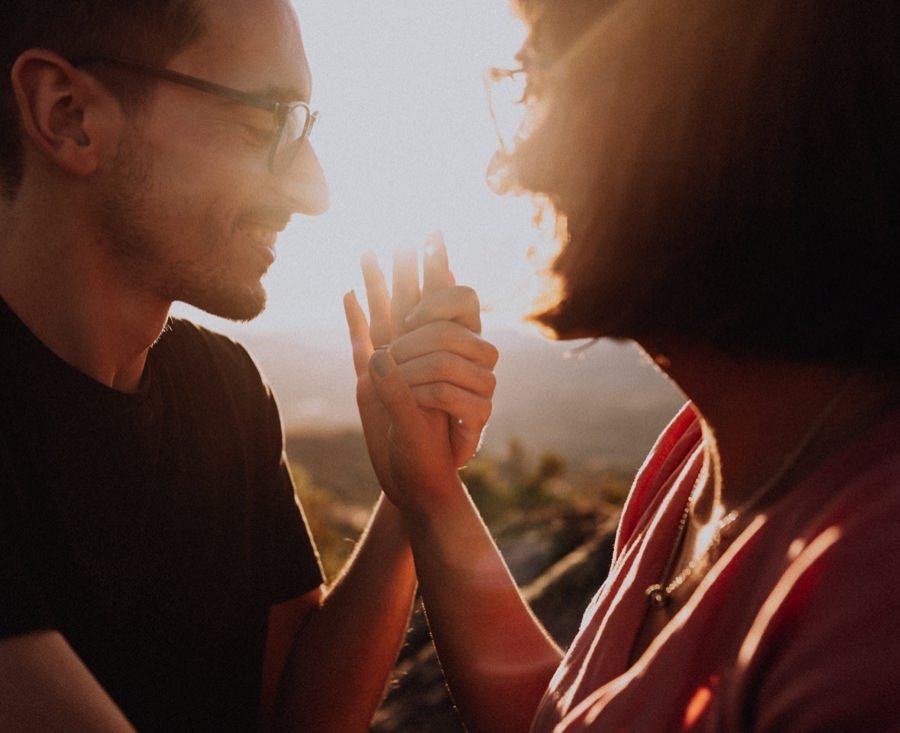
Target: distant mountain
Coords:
[[602, 406]]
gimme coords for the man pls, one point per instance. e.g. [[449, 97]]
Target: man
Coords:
[[155, 572]]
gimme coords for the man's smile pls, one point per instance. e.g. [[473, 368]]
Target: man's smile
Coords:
[[264, 236]]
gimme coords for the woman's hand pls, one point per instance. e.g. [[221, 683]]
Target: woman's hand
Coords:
[[433, 339]]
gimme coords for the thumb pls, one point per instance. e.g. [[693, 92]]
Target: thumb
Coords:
[[393, 391], [419, 449]]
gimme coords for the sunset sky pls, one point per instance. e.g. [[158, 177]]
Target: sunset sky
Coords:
[[404, 137]]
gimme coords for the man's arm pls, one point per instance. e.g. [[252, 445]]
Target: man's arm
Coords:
[[44, 686], [346, 645], [285, 620]]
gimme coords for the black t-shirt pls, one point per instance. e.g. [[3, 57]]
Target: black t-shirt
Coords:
[[153, 530]]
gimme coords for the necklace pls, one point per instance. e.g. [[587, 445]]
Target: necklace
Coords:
[[659, 594]]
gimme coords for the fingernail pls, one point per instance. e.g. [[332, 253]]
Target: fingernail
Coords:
[[368, 259], [381, 361]]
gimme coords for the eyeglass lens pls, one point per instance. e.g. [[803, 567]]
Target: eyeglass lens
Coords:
[[297, 127], [506, 90]]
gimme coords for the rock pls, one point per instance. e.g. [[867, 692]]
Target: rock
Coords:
[[565, 560]]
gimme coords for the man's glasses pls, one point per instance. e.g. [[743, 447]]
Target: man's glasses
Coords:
[[294, 121]]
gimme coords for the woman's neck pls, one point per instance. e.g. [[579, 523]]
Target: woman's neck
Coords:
[[767, 424]]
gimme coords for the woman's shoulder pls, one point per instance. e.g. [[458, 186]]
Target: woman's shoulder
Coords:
[[678, 443]]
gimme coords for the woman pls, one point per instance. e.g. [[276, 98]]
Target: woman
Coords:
[[725, 177]]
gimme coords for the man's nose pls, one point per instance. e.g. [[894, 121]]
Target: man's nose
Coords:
[[304, 183]]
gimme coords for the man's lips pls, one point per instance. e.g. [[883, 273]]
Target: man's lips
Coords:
[[262, 237], [261, 229]]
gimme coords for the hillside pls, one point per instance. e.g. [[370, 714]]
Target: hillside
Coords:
[[601, 407]]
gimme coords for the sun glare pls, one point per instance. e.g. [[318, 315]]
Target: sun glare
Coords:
[[405, 137]]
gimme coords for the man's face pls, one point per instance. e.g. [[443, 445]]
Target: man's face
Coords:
[[189, 208]]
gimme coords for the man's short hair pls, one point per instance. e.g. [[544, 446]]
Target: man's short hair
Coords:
[[150, 32], [741, 159]]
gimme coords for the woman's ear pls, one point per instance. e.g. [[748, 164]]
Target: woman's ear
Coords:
[[62, 110]]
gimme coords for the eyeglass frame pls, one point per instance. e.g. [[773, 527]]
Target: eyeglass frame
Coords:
[[280, 109], [491, 76]]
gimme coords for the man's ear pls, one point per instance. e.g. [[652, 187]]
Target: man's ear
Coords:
[[64, 112]]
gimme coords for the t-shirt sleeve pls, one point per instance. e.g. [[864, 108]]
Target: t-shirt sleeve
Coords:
[[280, 554], [830, 656], [290, 564]]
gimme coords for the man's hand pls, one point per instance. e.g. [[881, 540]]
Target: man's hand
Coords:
[[433, 337]]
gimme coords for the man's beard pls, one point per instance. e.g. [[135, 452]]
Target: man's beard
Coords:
[[128, 214]]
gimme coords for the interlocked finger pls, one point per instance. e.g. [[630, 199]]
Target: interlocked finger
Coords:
[[446, 367], [360, 340], [405, 291], [474, 410], [445, 336], [435, 268], [379, 301], [457, 303]]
